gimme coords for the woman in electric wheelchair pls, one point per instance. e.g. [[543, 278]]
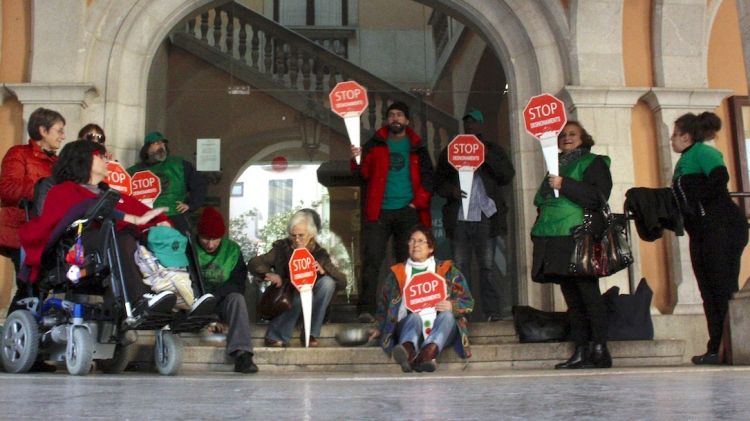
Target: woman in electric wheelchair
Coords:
[[79, 173]]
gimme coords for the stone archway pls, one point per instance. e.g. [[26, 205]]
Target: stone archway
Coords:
[[528, 38]]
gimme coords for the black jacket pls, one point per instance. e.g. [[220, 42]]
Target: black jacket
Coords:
[[653, 211], [496, 172]]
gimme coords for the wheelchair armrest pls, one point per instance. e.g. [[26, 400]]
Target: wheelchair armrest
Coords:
[[104, 205]]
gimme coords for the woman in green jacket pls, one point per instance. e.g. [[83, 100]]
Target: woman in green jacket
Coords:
[[584, 183]]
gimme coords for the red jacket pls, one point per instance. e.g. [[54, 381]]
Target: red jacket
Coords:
[[60, 198], [374, 171], [22, 167]]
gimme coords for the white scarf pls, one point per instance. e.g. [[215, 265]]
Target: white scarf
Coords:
[[428, 264]]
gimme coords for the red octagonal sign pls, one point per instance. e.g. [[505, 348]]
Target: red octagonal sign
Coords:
[[118, 178], [146, 186], [348, 99], [544, 114], [466, 151], [424, 290], [302, 269]]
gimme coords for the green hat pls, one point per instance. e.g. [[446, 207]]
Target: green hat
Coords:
[[154, 137], [168, 245], [475, 114]]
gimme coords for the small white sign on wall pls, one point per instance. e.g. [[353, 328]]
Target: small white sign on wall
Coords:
[[208, 156]]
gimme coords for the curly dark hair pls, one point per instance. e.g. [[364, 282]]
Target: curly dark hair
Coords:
[[431, 241], [143, 154], [42, 117], [92, 127], [700, 127], [586, 138], [74, 163]]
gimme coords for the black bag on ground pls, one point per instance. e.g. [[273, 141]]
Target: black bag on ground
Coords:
[[629, 316], [534, 325], [275, 301]]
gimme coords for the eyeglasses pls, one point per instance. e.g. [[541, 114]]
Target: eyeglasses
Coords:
[[414, 242], [297, 236]]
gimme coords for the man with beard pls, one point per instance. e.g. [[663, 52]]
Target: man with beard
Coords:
[[183, 189], [397, 172]]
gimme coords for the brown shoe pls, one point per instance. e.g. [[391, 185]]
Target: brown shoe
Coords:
[[313, 341], [404, 355], [273, 343], [425, 360]]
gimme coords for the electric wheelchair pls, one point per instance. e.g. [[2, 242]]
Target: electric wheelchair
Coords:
[[92, 319]]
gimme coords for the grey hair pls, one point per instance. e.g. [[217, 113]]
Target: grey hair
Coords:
[[302, 217]]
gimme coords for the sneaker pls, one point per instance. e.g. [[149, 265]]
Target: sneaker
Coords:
[[365, 317], [157, 303], [203, 306], [243, 363]]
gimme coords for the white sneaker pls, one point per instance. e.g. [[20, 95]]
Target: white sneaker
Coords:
[[161, 302], [203, 306]]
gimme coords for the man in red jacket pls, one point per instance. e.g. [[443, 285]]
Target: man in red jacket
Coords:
[[22, 167], [397, 171]]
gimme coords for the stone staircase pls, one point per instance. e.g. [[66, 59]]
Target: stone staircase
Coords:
[[494, 346]]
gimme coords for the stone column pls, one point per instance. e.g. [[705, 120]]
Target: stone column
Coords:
[[667, 105], [66, 98], [606, 113]]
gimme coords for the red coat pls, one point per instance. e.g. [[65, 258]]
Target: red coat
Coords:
[[374, 171], [61, 198], [22, 167]]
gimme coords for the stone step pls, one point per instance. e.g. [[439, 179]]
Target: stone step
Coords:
[[363, 359]]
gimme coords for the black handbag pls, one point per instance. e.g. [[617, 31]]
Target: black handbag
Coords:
[[534, 325], [604, 253], [629, 315], [275, 300]]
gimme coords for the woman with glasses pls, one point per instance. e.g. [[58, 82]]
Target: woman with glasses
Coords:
[[274, 267], [400, 330]]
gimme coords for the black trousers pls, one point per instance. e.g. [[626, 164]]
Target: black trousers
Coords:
[[396, 223], [588, 314], [715, 255]]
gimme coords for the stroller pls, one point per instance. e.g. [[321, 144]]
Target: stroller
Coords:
[[94, 319]]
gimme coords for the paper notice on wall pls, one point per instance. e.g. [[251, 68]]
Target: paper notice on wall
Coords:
[[208, 155]]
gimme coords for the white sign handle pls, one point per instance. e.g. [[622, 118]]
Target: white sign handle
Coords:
[[305, 296], [352, 129], [465, 181], [550, 151], [428, 316]]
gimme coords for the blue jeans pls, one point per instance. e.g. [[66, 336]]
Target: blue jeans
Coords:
[[282, 326], [474, 238], [444, 330]]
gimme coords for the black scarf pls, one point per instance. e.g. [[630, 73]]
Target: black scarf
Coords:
[[567, 158]]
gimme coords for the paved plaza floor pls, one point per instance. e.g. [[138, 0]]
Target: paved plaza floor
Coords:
[[681, 393]]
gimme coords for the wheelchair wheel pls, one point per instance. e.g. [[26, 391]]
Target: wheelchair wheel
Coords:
[[80, 352], [168, 353], [19, 346], [124, 354]]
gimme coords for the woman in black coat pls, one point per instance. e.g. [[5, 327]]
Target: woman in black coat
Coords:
[[584, 183], [717, 227]]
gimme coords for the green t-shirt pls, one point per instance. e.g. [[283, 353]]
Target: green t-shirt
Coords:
[[398, 192], [698, 159]]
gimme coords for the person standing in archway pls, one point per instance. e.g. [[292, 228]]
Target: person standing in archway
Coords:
[[183, 189], [22, 167], [480, 231], [398, 175]]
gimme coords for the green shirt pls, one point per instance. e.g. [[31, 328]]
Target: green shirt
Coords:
[[217, 267], [398, 191], [698, 159]]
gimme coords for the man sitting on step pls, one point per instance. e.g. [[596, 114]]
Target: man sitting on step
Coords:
[[224, 274]]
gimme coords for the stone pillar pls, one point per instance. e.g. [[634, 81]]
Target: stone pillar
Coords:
[[667, 105], [606, 113], [66, 98]]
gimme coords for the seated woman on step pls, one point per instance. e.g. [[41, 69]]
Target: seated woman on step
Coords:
[[273, 266], [401, 331]]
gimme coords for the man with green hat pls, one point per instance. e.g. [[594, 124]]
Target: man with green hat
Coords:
[[183, 189], [483, 231]]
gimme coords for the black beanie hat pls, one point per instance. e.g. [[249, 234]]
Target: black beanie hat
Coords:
[[398, 105]]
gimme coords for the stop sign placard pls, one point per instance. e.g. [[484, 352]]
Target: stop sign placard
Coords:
[[466, 151], [302, 271], [348, 99], [544, 114], [424, 291], [118, 178], [145, 186]]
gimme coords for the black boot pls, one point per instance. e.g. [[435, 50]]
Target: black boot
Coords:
[[600, 357], [580, 356]]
